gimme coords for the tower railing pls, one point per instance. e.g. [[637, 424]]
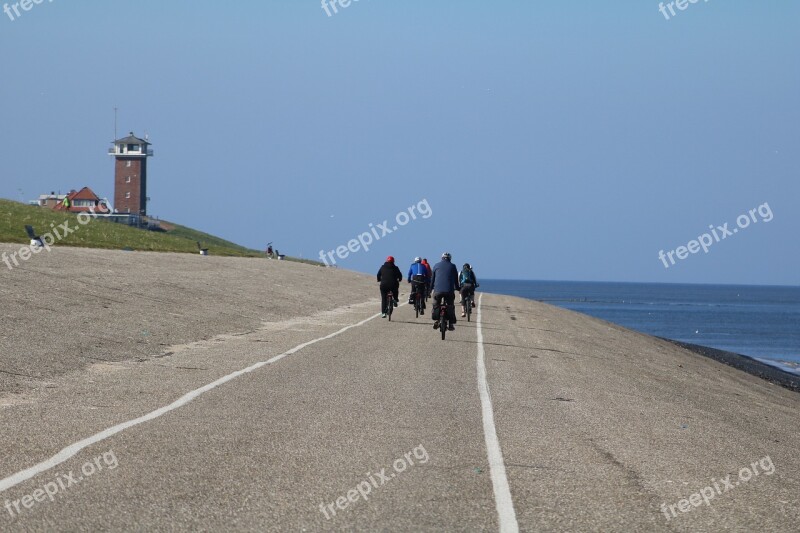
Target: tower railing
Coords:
[[115, 151]]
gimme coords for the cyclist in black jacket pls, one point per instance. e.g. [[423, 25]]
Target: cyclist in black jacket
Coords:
[[389, 276]]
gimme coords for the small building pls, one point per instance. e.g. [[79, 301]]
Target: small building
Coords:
[[50, 200], [82, 201]]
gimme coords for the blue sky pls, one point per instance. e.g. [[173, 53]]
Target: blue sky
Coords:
[[551, 140]]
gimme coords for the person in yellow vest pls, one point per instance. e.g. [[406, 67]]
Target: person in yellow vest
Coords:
[[66, 203]]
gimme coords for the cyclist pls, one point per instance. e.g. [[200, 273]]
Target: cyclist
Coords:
[[389, 276], [468, 283], [430, 273], [444, 282], [418, 277]]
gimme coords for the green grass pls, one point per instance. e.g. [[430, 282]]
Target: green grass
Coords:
[[103, 234]]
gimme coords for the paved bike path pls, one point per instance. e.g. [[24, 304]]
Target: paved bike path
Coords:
[[266, 449], [598, 426]]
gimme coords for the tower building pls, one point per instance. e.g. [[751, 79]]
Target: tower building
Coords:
[[130, 174]]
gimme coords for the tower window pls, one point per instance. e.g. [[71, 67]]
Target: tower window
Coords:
[[128, 163], [128, 179], [127, 195]]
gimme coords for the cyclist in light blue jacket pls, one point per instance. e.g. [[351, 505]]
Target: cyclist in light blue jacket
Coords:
[[418, 277]]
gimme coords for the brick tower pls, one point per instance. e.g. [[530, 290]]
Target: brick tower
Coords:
[[130, 174]]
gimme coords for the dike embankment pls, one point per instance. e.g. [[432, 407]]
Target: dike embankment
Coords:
[[601, 428]]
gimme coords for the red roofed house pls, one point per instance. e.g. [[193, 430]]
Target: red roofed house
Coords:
[[82, 201]]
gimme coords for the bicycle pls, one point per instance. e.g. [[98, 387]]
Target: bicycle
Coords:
[[468, 306], [444, 314], [443, 325], [389, 305], [419, 299]]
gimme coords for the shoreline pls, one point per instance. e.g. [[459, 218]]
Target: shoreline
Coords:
[[779, 371], [745, 363]]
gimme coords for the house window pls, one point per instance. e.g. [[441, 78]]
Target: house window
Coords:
[[127, 195], [128, 164]]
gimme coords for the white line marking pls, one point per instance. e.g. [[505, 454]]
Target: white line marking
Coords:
[[73, 449], [497, 468]]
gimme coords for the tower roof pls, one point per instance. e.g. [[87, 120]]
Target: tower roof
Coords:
[[131, 139]]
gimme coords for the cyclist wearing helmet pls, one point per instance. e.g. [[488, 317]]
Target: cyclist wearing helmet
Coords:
[[418, 277], [444, 282], [389, 276], [468, 283]]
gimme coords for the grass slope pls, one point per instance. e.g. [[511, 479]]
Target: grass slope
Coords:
[[103, 234]]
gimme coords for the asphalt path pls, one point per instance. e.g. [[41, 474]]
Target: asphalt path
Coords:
[[341, 420], [386, 408]]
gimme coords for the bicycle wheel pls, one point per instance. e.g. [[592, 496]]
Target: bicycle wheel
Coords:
[[443, 318], [390, 306], [468, 302], [417, 304]]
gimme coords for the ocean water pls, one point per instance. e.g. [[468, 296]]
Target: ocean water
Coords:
[[759, 321]]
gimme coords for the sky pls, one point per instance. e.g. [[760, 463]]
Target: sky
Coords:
[[561, 140]]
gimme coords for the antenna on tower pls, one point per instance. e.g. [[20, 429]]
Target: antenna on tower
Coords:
[[115, 123]]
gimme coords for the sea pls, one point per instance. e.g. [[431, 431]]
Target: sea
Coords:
[[762, 322]]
